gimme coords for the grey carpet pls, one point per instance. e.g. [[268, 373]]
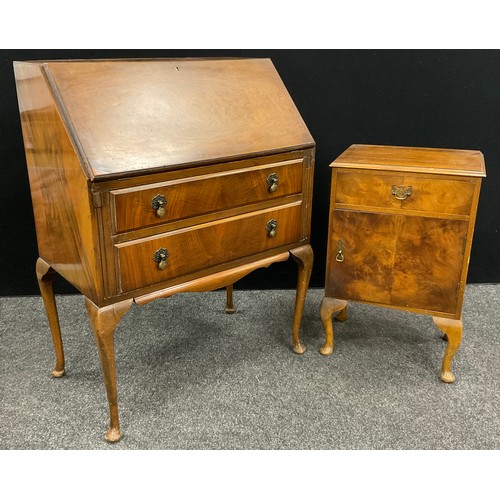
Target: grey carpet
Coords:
[[192, 377]]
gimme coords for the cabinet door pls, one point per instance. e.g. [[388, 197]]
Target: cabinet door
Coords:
[[367, 243], [428, 263]]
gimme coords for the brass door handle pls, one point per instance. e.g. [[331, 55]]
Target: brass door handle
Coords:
[[340, 251], [158, 203], [272, 182], [401, 192], [160, 257], [271, 228]]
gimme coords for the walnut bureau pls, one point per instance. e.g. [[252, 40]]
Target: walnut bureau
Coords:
[[153, 177], [400, 234]]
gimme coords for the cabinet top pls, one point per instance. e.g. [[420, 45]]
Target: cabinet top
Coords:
[[132, 116], [409, 159]]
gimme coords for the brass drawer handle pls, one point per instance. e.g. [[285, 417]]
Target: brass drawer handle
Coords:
[[158, 203], [272, 182], [340, 251], [160, 257], [271, 227], [401, 192]]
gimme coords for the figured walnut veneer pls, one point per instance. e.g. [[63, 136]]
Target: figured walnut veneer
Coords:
[[400, 234], [153, 177]]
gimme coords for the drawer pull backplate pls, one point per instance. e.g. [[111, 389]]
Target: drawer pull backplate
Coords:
[[340, 251], [401, 192], [160, 257], [272, 182], [271, 227], [158, 203]]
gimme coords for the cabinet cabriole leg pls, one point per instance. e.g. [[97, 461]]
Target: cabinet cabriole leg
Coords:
[[342, 315], [329, 307], [452, 329], [104, 321]]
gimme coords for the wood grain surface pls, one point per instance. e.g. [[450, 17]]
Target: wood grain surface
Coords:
[[411, 159], [205, 246], [369, 242], [137, 115], [199, 195], [66, 227], [432, 193], [428, 262], [103, 138], [410, 253]]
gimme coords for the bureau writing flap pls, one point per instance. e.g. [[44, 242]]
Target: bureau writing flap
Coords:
[[132, 115]]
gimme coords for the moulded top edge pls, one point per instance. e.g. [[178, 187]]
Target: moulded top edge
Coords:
[[413, 159], [415, 168], [138, 59]]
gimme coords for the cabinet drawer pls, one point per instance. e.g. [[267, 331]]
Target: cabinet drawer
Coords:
[[204, 246], [134, 207], [404, 192]]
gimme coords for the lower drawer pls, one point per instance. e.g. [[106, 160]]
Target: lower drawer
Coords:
[[160, 258]]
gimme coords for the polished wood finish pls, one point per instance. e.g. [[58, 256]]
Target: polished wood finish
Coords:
[[66, 227], [329, 307], [210, 244], [44, 274], [230, 309], [400, 234], [399, 260], [452, 329], [365, 273], [428, 263], [213, 281], [217, 143], [401, 159], [204, 195], [304, 258], [429, 194], [203, 109], [104, 321]]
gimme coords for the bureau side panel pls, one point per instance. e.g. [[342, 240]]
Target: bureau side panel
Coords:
[[307, 192], [65, 225]]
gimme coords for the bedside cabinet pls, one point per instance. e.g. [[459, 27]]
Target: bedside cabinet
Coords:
[[154, 177], [400, 234]]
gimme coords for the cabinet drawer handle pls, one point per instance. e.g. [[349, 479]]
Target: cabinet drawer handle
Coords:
[[340, 251], [160, 257], [158, 203], [401, 192], [272, 182], [271, 227]]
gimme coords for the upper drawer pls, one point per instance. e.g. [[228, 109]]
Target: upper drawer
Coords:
[[134, 207], [204, 246], [405, 192]]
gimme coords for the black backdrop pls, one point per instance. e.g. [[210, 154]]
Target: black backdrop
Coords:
[[446, 99]]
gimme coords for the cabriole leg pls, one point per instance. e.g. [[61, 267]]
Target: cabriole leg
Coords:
[[452, 329], [44, 274], [329, 307], [304, 258], [104, 321], [342, 315], [229, 300]]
